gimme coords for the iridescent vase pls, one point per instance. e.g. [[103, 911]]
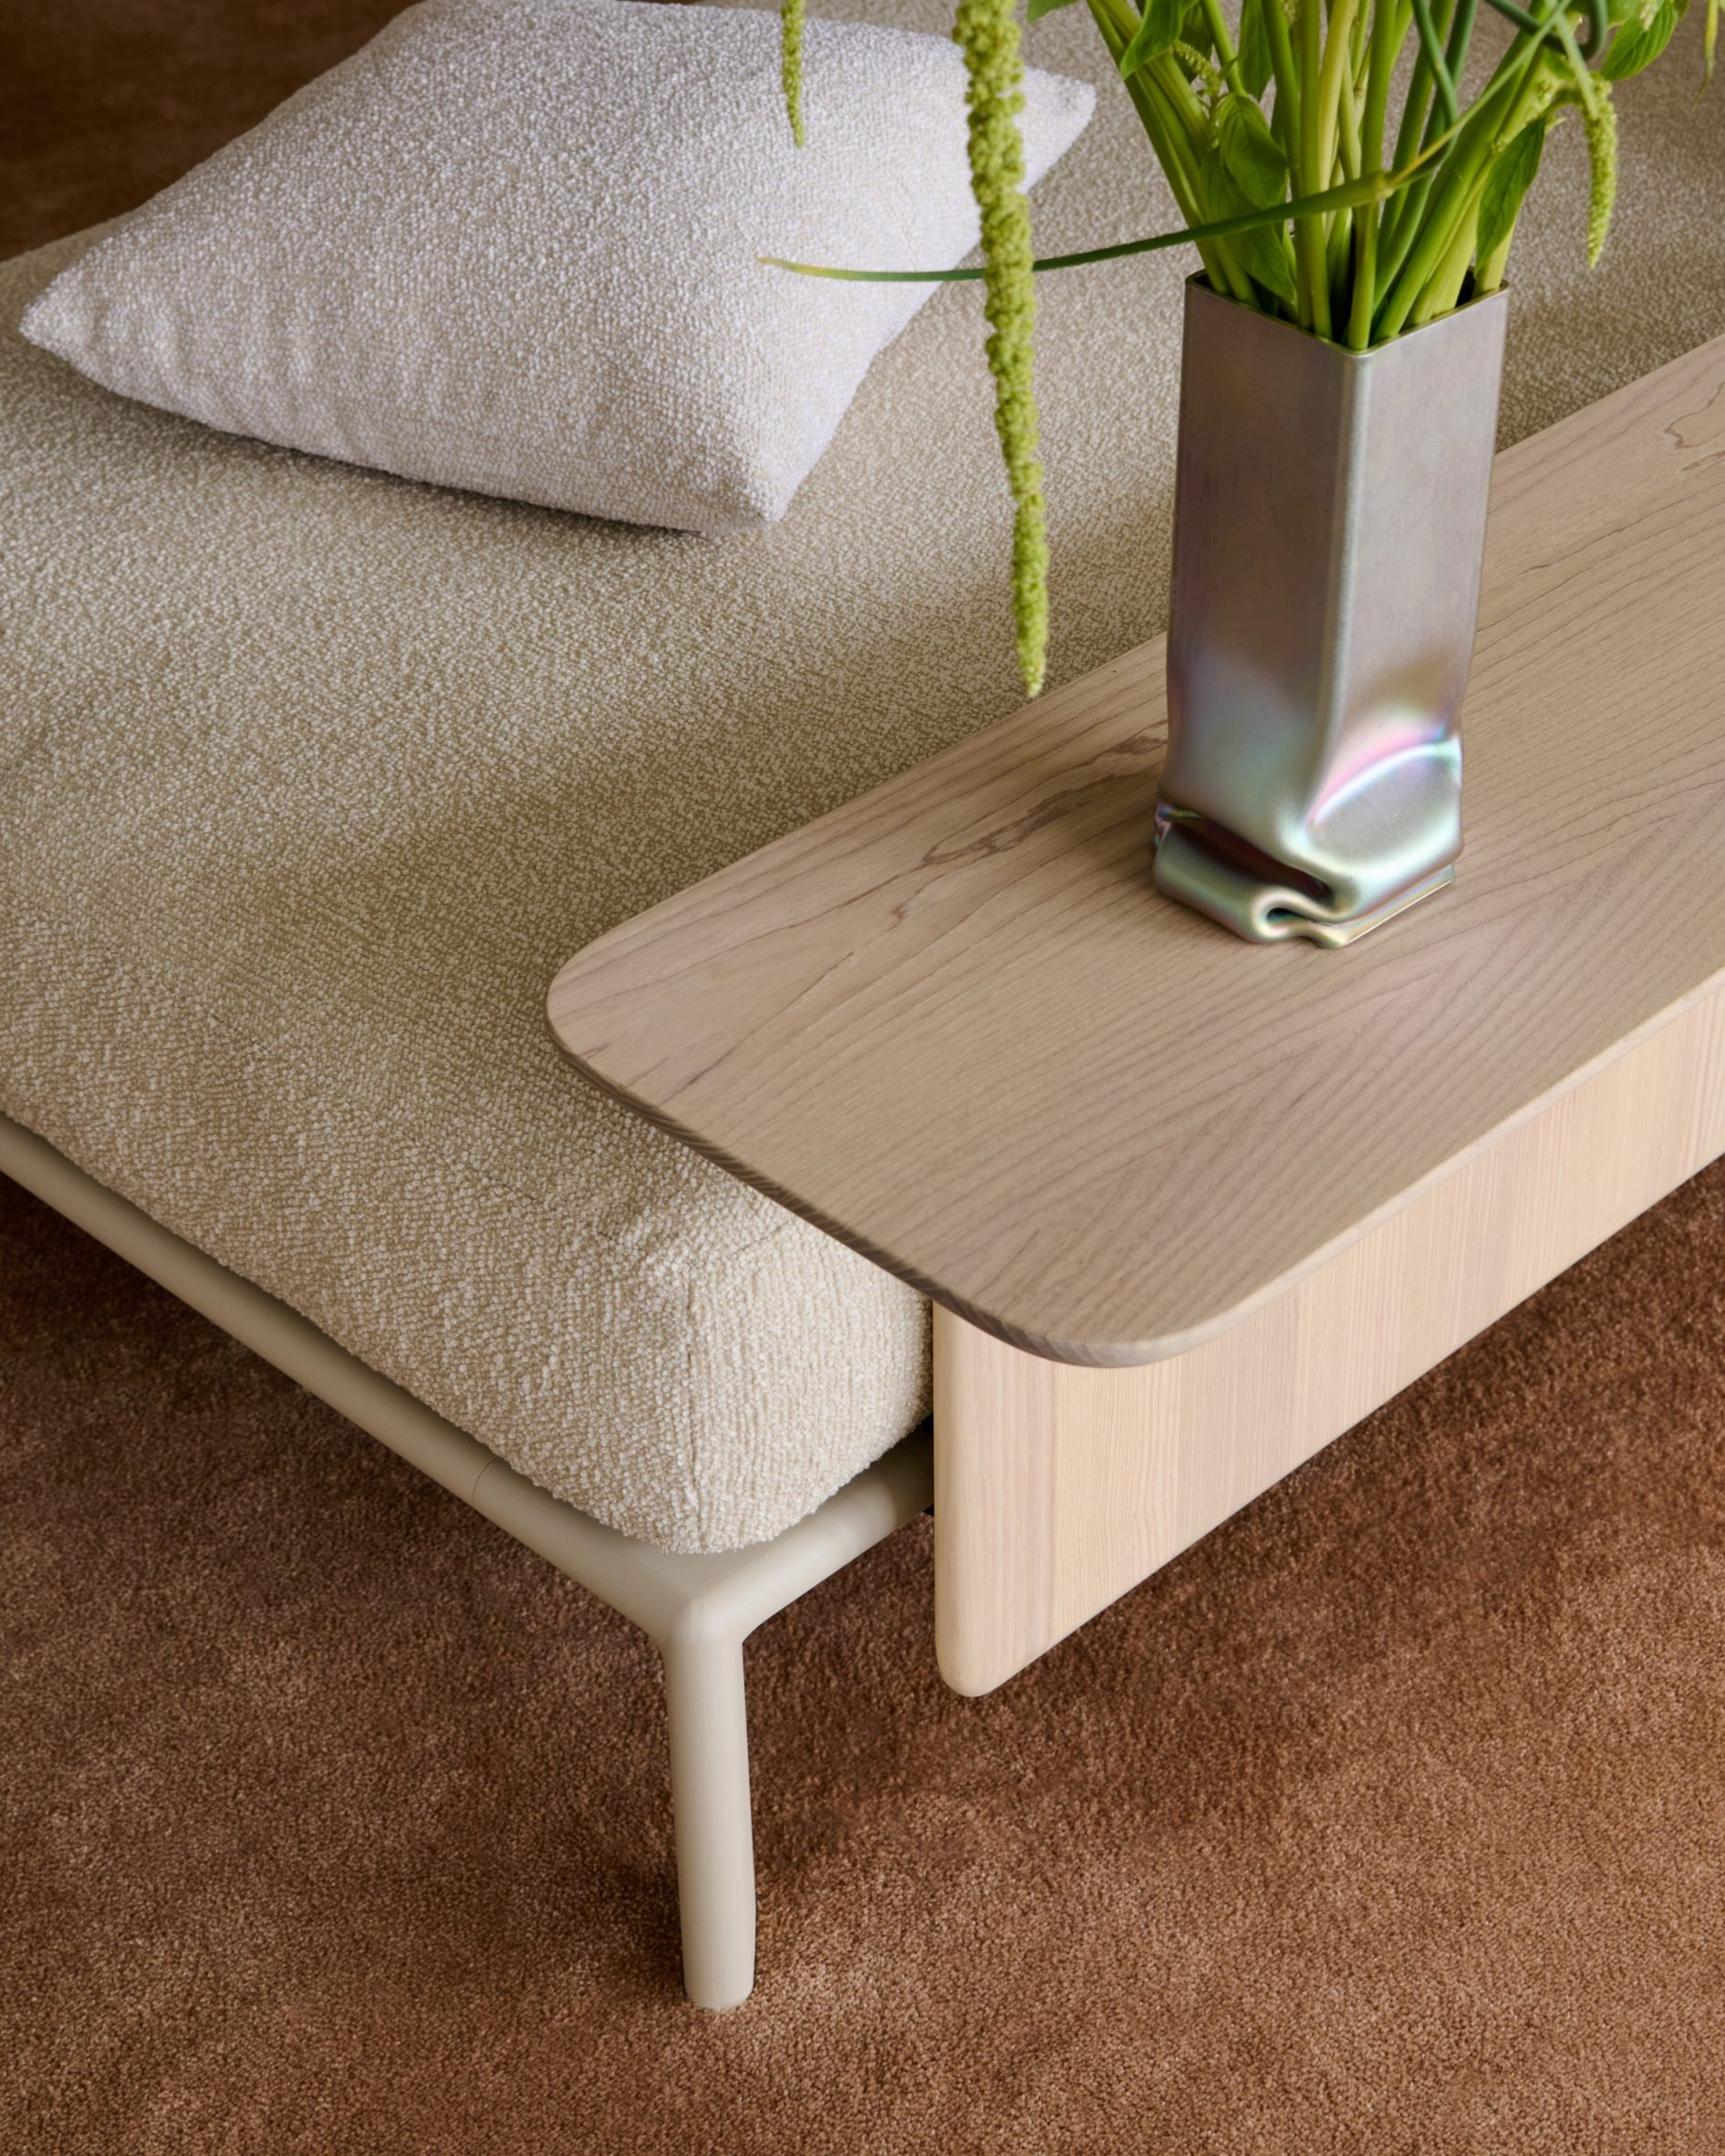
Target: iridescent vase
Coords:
[[1329, 527]]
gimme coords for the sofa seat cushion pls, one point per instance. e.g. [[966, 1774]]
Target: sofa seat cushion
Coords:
[[310, 778]]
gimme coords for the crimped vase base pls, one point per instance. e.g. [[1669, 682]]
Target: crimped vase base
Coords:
[[1268, 908]]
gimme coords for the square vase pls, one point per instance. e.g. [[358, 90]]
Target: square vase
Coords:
[[1329, 524]]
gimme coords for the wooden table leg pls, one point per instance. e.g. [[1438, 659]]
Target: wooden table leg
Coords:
[[1059, 1487]]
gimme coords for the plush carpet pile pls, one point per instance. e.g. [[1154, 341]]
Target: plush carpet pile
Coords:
[[1390, 1819]]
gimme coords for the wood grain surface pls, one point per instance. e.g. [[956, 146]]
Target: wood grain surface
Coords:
[[1057, 1489], [953, 1023]]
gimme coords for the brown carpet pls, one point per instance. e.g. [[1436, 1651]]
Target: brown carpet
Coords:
[[103, 102], [1390, 1819]]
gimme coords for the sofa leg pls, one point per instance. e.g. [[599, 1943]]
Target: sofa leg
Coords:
[[712, 1817]]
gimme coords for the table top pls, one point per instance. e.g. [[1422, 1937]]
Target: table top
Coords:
[[953, 1023]]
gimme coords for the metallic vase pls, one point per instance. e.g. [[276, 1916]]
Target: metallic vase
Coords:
[[1328, 526]]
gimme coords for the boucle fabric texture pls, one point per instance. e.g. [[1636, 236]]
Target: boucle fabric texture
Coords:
[[512, 245], [310, 780]]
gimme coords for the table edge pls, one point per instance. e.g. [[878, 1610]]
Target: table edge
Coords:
[[1151, 1347]]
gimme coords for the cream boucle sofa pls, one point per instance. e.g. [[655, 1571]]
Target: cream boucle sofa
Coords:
[[311, 778]]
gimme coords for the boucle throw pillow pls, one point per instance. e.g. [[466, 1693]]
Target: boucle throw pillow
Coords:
[[511, 246]]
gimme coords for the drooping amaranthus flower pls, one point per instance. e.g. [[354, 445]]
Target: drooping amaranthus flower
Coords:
[[791, 66], [1600, 119], [987, 30]]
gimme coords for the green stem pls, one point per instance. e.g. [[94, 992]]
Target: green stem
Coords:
[[1488, 273], [1390, 34], [1287, 117], [1286, 76], [1402, 217], [1115, 36], [1390, 19], [1338, 254], [1117, 25], [1359, 320], [1169, 77], [1441, 293], [1189, 126], [1461, 172], [1314, 170], [1329, 100], [1401, 227], [1371, 187], [1455, 52], [1227, 58], [1419, 106], [1348, 119], [1442, 81]]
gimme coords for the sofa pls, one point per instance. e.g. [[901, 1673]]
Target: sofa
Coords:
[[312, 778]]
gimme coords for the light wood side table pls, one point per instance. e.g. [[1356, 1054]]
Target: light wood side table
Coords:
[[1189, 1207]]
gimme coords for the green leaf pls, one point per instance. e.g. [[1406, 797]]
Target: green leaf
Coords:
[[1513, 171], [1709, 42], [1263, 251], [1158, 30], [1255, 64], [1251, 154], [1352, 194], [1038, 8], [1638, 44]]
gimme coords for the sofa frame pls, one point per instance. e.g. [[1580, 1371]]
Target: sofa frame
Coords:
[[697, 1610]]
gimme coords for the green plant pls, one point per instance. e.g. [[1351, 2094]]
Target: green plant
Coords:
[[791, 14], [1273, 133]]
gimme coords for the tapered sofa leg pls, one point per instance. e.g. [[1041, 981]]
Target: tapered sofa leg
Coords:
[[711, 1816]]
